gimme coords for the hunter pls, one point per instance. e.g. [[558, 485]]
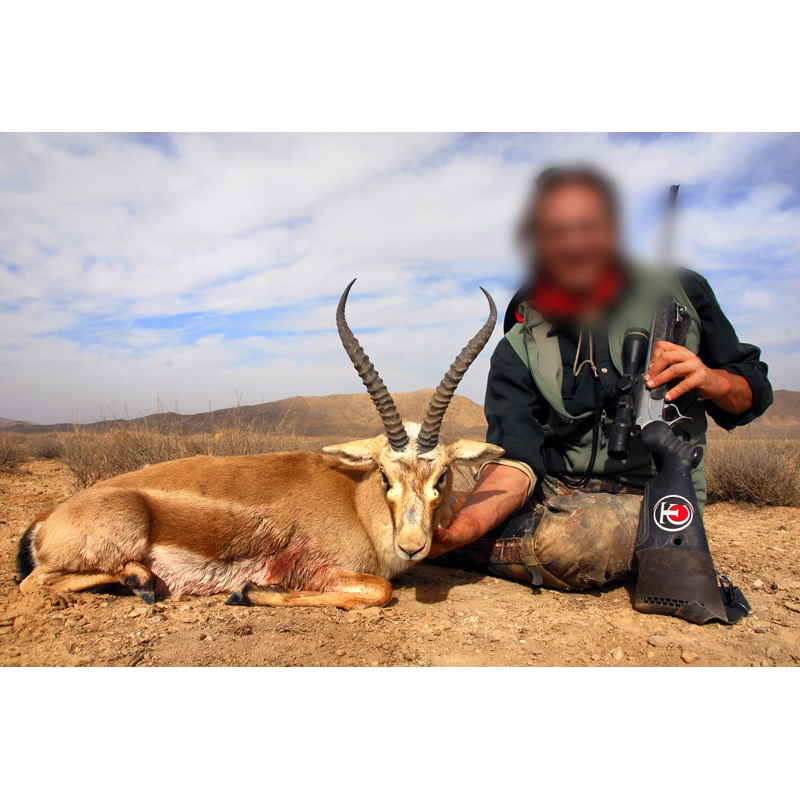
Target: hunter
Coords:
[[556, 510]]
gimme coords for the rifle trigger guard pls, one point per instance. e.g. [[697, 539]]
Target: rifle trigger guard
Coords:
[[678, 415]]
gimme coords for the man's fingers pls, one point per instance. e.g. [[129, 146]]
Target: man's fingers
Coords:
[[461, 531], [661, 363], [664, 347], [661, 349], [449, 537], [672, 361], [443, 535], [443, 542], [692, 382], [670, 373]]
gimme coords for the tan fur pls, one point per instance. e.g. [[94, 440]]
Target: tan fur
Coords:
[[323, 527]]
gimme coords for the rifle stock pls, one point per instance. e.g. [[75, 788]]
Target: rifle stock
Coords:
[[676, 570]]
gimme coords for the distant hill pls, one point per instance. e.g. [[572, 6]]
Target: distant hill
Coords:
[[352, 416], [5, 422], [339, 416]]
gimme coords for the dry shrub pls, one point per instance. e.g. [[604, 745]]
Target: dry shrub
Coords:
[[243, 442], [43, 446], [237, 436], [314, 444], [12, 451], [94, 455], [765, 472]]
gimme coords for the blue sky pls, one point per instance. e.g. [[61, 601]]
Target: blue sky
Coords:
[[188, 268]]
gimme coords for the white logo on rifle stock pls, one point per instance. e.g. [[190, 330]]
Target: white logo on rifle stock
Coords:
[[673, 513]]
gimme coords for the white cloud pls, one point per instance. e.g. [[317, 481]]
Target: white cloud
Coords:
[[102, 231]]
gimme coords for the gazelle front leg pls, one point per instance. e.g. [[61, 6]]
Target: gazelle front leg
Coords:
[[347, 590]]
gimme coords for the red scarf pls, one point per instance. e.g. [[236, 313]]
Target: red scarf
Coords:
[[552, 302]]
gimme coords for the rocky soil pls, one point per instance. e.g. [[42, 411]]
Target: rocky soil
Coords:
[[439, 617]]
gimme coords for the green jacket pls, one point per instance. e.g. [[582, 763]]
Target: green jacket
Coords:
[[536, 400]]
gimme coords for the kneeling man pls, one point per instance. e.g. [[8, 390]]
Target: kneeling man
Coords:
[[557, 509]]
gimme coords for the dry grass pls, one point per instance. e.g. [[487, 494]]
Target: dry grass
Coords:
[[765, 472], [93, 455], [43, 446], [238, 437], [12, 451]]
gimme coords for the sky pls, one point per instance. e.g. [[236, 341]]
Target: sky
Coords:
[[149, 271]]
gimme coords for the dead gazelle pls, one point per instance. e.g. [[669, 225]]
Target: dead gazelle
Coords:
[[281, 529]]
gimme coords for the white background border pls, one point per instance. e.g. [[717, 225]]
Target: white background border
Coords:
[[315, 66]]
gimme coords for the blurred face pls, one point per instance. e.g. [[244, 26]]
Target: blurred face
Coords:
[[575, 240]]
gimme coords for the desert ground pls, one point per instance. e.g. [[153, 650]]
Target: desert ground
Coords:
[[438, 617]]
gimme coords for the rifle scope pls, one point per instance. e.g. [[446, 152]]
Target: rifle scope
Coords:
[[634, 352]]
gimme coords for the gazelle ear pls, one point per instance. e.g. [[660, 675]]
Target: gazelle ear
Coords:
[[467, 450], [357, 453]]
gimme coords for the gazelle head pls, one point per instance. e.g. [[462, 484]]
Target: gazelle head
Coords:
[[414, 464]]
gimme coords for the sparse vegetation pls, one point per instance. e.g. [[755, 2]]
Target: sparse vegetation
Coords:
[[239, 436], [748, 467], [12, 451], [43, 446], [765, 472], [94, 455]]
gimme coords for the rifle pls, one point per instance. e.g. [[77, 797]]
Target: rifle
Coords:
[[676, 571]]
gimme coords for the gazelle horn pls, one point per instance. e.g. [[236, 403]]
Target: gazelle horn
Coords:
[[395, 430], [429, 432]]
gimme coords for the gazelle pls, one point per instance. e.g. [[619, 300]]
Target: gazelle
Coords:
[[281, 529]]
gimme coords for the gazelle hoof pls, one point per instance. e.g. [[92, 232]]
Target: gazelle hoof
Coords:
[[148, 595], [140, 581], [238, 598]]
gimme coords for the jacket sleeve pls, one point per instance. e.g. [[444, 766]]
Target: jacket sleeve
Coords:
[[720, 348], [512, 402]]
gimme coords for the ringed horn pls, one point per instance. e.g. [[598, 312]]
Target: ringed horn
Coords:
[[428, 436], [395, 430], [429, 432]]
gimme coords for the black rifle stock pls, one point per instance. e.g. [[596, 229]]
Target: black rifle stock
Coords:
[[676, 574]]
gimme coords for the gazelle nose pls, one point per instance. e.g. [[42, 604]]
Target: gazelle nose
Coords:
[[412, 553]]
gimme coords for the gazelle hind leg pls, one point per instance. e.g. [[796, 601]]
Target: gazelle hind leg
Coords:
[[41, 578], [347, 590], [134, 575]]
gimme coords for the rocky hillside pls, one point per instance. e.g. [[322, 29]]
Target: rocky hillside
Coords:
[[338, 415], [353, 416]]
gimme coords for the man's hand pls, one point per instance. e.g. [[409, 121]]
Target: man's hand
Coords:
[[671, 361], [463, 530], [500, 491]]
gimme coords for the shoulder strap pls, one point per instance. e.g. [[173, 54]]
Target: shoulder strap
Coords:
[[542, 355]]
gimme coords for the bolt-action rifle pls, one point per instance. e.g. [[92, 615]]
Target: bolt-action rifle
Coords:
[[676, 570]]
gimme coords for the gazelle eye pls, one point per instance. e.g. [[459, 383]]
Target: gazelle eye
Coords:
[[386, 484], [442, 478]]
